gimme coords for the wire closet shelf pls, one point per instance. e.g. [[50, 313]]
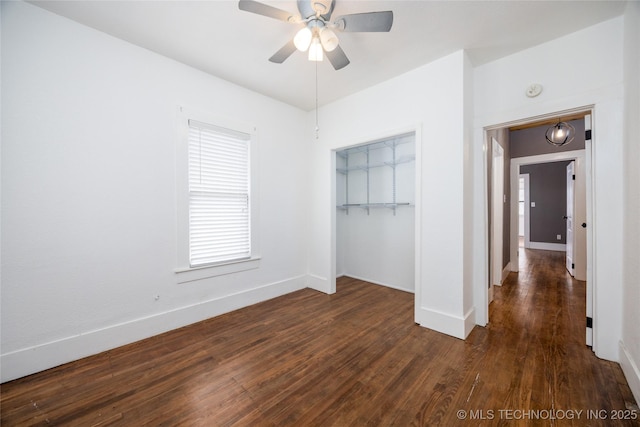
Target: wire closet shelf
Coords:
[[366, 151]]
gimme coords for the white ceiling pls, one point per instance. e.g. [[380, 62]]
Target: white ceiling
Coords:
[[217, 38]]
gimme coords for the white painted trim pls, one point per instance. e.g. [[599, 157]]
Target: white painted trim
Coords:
[[497, 210], [417, 280], [503, 275], [320, 284], [469, 321], [630, 370], [515, 173], [482, 282], [333, 224], [548, 246], [505, 272], [456, 326], [192, 274], [376, 282], [34, 359], [527, 211]]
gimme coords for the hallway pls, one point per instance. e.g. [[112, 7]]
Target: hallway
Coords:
[[541, 311]]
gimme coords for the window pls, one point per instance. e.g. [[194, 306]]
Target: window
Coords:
[[219, 213], [216, 194]]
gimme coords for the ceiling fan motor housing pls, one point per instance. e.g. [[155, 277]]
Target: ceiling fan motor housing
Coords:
[[322, 8]]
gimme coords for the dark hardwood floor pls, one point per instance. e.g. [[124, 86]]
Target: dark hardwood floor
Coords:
[[352, 358]]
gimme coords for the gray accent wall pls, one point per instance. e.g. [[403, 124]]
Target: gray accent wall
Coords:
[[548, 189], [545, 225], [531, 142]]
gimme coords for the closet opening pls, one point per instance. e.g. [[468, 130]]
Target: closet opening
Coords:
[[375, 215]]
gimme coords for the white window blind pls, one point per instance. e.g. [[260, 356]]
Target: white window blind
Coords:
[[219, 214]]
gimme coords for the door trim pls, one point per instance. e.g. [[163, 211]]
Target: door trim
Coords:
[[570, 231], [514, 180], [497, 212], [526, 209], [482, 275]]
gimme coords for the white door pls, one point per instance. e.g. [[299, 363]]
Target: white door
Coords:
[[497, 189], [585, 234], [579, 221], [569, 218]]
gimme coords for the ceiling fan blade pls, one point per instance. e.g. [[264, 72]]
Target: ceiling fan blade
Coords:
[[284, 52], [338, 58], [365, 22], [266, 10]]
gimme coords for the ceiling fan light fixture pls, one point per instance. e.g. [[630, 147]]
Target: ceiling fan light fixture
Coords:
[[328, 39], [315, 17], [315, 50], [302, 40], [560, 134]]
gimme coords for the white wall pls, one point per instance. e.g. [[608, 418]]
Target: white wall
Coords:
[[89, 194], [630, 345], [431, 101], [88, 183], [591, 74]]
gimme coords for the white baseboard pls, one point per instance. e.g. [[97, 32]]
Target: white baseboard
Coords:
[[34, 359], [630, 370], [548, 246], [320, 284], [458, 327], [376, 282], [505, 272]]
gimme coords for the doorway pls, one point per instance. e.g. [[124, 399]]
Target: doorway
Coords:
[[582, 238], [375, 215]]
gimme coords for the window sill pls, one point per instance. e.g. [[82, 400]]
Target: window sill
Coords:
[[191, 274]]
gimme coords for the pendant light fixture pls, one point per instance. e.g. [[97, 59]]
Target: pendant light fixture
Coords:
[[560, 134]]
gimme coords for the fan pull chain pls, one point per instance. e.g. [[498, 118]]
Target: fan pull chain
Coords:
[[317, 126]]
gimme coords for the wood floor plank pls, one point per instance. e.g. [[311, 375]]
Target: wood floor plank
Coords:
[[352, 358]]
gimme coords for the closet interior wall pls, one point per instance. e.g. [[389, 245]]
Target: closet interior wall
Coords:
[[375, 218]]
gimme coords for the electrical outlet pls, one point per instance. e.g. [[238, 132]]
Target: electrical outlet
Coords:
[[533, 204], [559, 237]]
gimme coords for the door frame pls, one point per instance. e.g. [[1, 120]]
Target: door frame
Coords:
[[483, 296], [416, 129], [578, 155], [527, 210], [497, 209], [570, 226]]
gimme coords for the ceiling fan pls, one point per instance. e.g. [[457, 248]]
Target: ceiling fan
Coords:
[[318, 34]]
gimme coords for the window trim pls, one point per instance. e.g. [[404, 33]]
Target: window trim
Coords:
[[185, 272]]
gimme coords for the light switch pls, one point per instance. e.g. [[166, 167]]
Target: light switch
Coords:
[[533, 204]]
